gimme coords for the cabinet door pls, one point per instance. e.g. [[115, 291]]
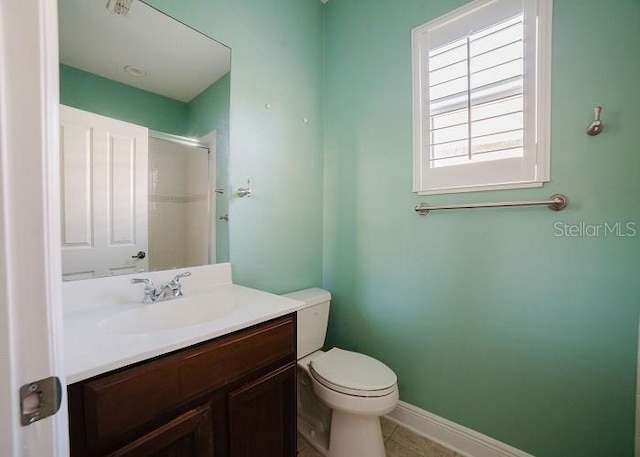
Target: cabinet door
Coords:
[[189, 435], [262, 416]]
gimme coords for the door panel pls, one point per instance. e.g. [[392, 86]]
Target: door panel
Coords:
[[104, 190], [76, 153], [122, 174]]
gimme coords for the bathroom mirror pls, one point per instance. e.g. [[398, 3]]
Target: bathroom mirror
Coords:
[[144, 140]]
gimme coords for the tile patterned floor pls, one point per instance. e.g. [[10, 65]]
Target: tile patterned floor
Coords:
[[399, 442]]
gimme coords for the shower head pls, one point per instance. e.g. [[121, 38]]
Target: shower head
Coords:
[[596, 126]]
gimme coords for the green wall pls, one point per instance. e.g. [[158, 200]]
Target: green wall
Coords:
[[277, 53], [210, 109], [489, 319], [96, 94]]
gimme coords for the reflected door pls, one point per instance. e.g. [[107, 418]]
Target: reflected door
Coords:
[[104, 195]]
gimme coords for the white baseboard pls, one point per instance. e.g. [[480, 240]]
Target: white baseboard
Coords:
[[451, 435]]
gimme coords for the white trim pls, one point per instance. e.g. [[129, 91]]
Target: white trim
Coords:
[[528, 185], [211, 139], [30, 268], [416, 78], [543, 78], [453, 436]]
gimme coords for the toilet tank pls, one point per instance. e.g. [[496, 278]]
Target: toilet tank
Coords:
[[312, 320]]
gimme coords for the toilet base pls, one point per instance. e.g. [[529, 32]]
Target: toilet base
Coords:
[[355, 436], [315, 437]]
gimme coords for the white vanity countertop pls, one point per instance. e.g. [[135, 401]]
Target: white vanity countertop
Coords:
[[91, 348]]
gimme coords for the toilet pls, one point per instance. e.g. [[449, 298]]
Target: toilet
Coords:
[[341, 394]]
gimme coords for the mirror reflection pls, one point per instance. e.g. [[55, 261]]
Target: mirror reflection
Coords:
[[144, 140]]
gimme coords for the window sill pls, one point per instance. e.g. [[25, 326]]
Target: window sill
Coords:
[[459, 190]]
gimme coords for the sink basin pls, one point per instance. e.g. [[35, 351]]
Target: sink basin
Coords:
[[167, 315]]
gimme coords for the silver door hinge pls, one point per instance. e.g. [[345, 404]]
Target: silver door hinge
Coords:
[[40, 399]]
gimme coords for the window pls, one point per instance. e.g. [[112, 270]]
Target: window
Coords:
[[481, 97]]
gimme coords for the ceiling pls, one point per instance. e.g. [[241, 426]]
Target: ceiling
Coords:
[[178, 61]]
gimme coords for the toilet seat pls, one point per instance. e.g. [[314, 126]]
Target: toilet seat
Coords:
[[354, 374]]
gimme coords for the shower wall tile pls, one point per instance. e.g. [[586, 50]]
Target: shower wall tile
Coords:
[[167, 243], [167, 165], [197, 233], [197, 172]]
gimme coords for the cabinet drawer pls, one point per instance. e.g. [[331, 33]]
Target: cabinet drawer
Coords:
[[219, 364], [126, 400], [123, 402]]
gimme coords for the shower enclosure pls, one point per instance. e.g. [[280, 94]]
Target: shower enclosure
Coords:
[[179, 217]]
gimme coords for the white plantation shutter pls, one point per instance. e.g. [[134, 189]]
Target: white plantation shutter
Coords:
[[479, 93]]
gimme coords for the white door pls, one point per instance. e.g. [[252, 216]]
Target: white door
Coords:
[[30, 295], [104, 195]]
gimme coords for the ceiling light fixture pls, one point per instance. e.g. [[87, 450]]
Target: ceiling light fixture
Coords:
[[134, 71]]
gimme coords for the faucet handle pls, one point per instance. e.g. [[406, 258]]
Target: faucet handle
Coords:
[[175, 286], [176, 278], [147, 283], [149, 289]]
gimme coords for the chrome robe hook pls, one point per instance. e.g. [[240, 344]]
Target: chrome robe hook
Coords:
[[596, 126]]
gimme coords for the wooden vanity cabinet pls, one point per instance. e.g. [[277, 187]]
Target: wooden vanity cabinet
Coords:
[[190, 434], [233, 396]]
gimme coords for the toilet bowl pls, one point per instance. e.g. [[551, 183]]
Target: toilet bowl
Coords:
[[341, 394]]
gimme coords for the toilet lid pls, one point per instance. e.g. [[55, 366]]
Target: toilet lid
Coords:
[[353, 373]]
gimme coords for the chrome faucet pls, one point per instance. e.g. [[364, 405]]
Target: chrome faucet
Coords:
[[173, 289], [149, 290], [169, 291]]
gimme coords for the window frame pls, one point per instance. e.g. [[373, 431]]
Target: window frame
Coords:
[[537, 88]]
